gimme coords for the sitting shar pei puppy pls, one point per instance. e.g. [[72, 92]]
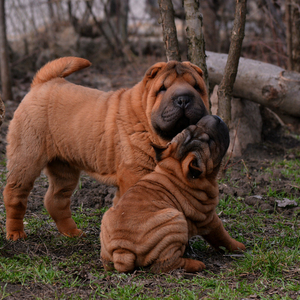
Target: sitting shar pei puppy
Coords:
[[153, 221], [65, 128]]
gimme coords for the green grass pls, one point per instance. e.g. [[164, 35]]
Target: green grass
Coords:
[[288, 168], [71, 268], [22, 268]]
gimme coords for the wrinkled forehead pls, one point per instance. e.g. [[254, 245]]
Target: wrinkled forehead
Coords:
[[190, 139], [181, 71]]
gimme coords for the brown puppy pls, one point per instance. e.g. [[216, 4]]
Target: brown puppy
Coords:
[[152, 222], [65, 128]]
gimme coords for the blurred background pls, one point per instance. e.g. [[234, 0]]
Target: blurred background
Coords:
[[38, 31], [123, 38]]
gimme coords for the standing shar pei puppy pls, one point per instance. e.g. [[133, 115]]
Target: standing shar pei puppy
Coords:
[[153, 221], [64, 128]]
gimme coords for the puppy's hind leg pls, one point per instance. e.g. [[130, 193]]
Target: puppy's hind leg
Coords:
[[124, 260], [63, 179], [23, 171]]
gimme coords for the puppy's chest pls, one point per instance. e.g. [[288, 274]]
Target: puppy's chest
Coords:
[[198, 215], [199, 227]]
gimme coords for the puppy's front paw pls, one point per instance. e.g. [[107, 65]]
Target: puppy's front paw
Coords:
[[16, 235], [236, 246], [74, 233], [193, 266]]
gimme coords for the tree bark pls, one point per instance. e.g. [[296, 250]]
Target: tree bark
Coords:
[[119, 10], [110, 41], [2, 111], [4, 59], [296, 35], [195, 37], [263, 83], [289, 41], [226, 85], [169, 30]]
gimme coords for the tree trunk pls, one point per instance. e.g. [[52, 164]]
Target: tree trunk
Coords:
[[4, 59], [289, 41], [226, 85], [169, 29], [114, 47], [121, 8], [260, 82], [2, 111], [296, 35], [195, 38]]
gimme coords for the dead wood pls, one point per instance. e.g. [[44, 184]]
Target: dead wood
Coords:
[[260, 82]]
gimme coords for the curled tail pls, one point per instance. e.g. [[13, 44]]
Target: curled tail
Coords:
[[124, 260], [60, 67]]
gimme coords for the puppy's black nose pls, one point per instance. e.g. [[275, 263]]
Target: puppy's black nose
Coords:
[[182, 101], [219, 120]]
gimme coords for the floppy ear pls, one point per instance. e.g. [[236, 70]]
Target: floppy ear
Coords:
[[194, 169], [191, 166], [198, 70], [152, 71], [159, 151]]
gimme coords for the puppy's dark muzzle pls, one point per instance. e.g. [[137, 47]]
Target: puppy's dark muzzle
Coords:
[[218, 118], [182, 101]]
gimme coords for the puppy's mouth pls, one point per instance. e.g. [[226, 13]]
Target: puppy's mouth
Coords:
[[168, 132], [169, 126]]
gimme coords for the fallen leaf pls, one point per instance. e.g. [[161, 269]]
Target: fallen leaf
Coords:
[[286, 202]]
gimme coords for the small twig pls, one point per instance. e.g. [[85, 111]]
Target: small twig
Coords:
[[248, 175], [13, 64], [234, 255], [233, 164], [295, 186], [230, 155]]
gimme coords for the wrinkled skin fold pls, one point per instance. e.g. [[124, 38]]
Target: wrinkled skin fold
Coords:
[[63, 129], [153, 221]]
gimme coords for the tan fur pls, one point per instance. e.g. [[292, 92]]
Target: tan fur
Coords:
[[153, 221], [65, 128]]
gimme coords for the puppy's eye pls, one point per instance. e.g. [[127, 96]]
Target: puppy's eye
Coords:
[[211, 142], [197, 88], [162, 89]]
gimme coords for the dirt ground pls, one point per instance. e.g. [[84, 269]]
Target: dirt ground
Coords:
[[247, 180]]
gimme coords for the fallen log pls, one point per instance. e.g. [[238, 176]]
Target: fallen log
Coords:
[[260, 82]]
